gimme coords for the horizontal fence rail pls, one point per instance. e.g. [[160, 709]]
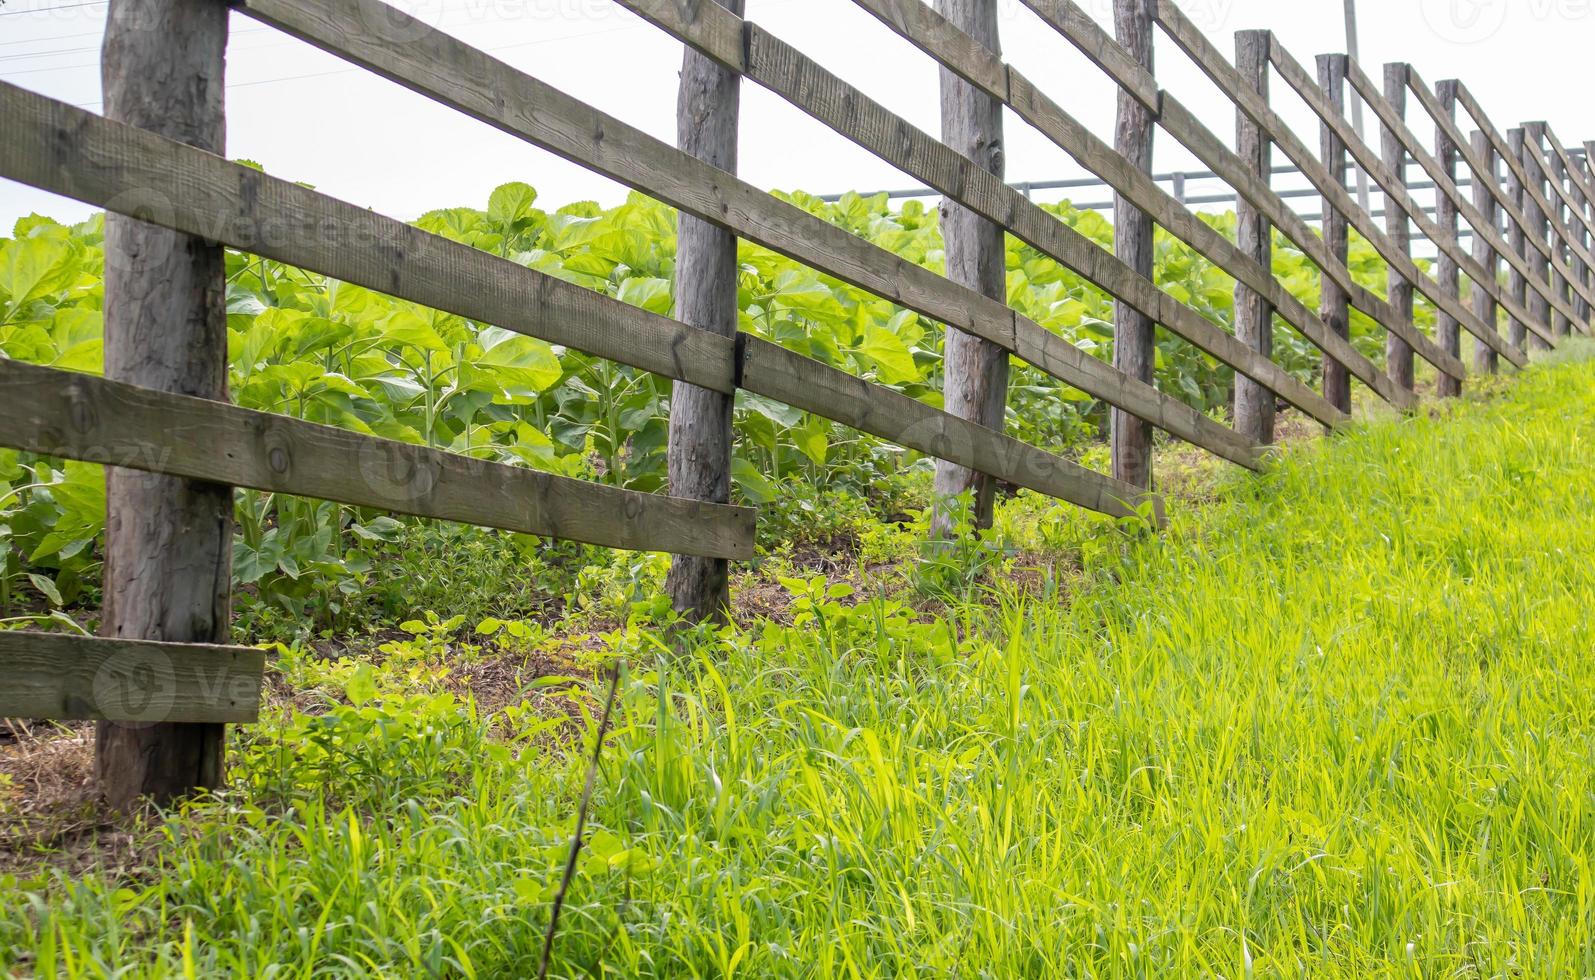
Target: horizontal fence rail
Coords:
[[83, 678], [78, 416]]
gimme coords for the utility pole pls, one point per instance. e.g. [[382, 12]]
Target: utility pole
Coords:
[[1355, 99]]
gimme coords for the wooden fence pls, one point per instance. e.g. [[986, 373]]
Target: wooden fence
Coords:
[[1540, 226]]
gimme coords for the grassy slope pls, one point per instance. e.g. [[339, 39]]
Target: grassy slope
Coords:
[[1337, 724]]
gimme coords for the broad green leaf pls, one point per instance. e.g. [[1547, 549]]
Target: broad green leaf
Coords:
[[511, 202], [32, 268], [894, 363]]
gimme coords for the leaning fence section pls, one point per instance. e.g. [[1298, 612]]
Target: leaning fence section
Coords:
[[1525, 205]]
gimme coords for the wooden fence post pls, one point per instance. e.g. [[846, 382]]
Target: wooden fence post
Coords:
[[1569, 218], [1448, 332], [1586, 313], [1551, 178], [168, 541], [1398, 354], [1485, 359], [1134, 333], [1517, 283], [1588, 161], [699, 456], [975, 384], [1540, 227], [1334, 302], [1254, 317]]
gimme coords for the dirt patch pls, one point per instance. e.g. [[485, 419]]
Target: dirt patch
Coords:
[[51, 814]]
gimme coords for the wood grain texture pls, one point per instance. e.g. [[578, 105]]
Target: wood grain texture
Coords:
[[59, 148], [975, 371], [709, 26], [708, 106], [1518, 237], [793, 76], [1485, 179], [1334, 304], [143, 684], [434, 64], [807, 384], [1254, 315], [1134, 333], [1448, 333], [79, 416], [1398, 225], [1539, 228], [1121, 64], [168, 542]]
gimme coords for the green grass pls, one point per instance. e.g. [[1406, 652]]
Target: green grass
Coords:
[[1337, 724]]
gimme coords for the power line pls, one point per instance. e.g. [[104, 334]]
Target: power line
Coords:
[[51, 10]]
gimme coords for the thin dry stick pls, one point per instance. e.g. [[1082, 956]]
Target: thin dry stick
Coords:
[[581, 823]]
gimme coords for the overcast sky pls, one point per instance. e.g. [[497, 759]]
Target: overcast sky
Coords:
[[307, 116]]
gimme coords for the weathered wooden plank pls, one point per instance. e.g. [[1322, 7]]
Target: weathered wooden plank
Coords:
[[974, 370], [1134, 242], [1307, 88], [62, 149], [1563, 318], [440, 67], [1447, 330], [1579, 222], [87, 678], [812, 386], [1485, 307], [922, 26], [1567, 278], [168, 543], [708, 107], [79, 416], [702, 24], [1398, 225], [1334, 302], [1104, 51], [1254, 315], [1448, 193], [1185, 127], [1539, 227], [797, 78], [1518, 235]]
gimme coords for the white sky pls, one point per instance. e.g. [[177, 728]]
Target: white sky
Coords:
[[307, 116]]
